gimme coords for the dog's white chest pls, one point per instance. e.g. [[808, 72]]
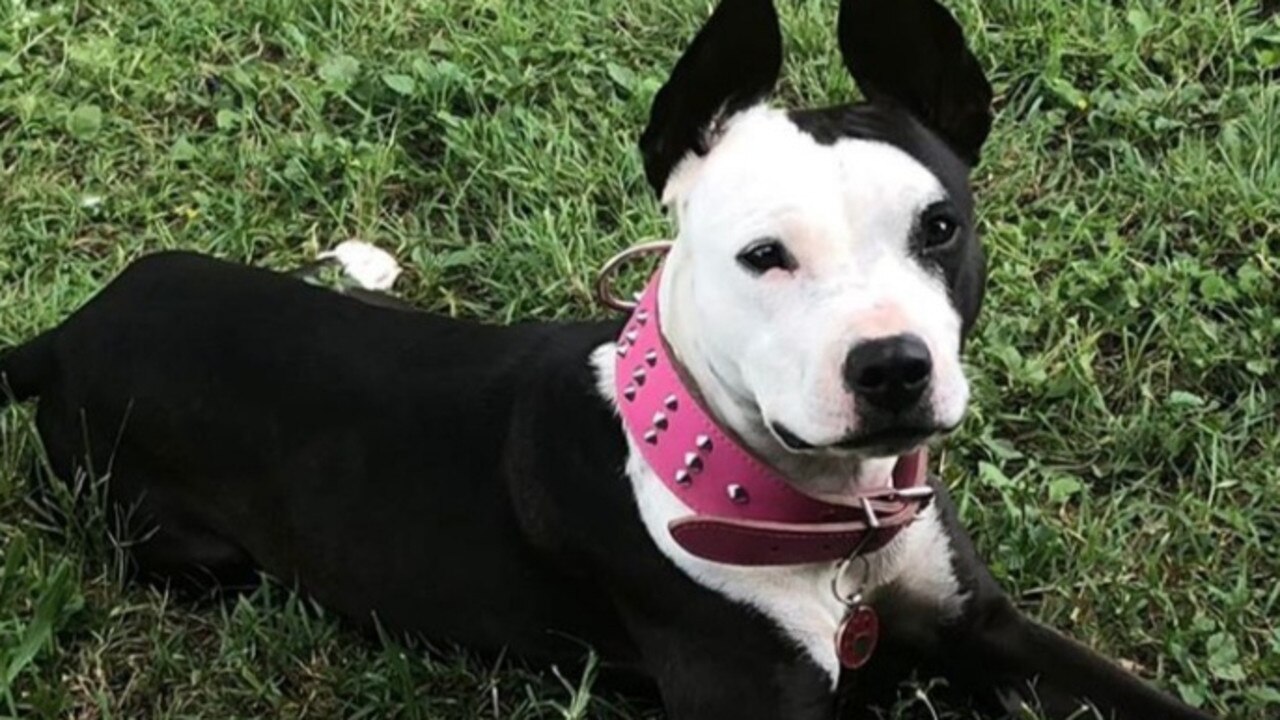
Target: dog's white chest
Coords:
[[799, 599]]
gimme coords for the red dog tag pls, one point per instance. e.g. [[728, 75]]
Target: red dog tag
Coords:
[[856, 639]]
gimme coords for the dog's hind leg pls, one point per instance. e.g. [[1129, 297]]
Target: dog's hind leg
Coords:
[[25, 369], [181, 553], [167, 541], [164, 542]]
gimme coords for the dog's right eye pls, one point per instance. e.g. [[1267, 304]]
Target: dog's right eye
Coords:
[[767, 255]]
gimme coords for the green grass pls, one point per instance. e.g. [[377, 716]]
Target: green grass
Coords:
[[1119, 468]]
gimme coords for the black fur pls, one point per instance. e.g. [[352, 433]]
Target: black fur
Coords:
[[461, 482], [912, 53], [732, 63]]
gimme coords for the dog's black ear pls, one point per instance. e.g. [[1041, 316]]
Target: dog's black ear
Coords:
[[732, 63], [913, 52]]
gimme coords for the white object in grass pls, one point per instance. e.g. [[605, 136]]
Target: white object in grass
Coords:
[[370, 267]]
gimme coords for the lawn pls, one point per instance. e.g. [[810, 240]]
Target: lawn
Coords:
[[1121, 464]]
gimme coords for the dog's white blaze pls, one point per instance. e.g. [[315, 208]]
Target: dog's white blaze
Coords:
[[797, 598], [775, 345]]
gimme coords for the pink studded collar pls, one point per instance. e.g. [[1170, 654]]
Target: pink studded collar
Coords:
[[742, 511]]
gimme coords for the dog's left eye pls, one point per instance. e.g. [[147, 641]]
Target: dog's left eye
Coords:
[[767, 255], [939, 229]]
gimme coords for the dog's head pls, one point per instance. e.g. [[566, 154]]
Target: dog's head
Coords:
[[826, 269]]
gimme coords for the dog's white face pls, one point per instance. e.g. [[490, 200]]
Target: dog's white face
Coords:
[[791, 255], [826, 268]]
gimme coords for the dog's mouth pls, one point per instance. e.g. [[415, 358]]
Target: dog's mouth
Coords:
[[886, 442], [907, 471]]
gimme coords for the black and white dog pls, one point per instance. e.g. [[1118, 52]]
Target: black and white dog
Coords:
[[474, 484]]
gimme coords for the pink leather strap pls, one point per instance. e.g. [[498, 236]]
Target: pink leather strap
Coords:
[[743, 511]]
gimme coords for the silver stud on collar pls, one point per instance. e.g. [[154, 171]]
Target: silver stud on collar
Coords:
[[629, 392], [683, 478], [651, 357], [638, 376], [703, 442], [632, 336], [693, 463], [622, 349], [642, 316], [660, 420], [651, 436], [738, 494], [671, 403]]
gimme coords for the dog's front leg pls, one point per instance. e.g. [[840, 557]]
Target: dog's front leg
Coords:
[[1035, 666], [716, 661], [991, 650]]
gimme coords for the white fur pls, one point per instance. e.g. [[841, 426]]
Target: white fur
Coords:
[[773, 347], [799, 597]]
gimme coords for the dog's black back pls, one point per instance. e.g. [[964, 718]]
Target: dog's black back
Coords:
[[446, 479], [376, 438], [449, 480]]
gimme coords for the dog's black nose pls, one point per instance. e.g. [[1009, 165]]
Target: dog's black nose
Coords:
[[891, 373]]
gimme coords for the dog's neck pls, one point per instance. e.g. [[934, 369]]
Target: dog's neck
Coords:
[[733, 406]]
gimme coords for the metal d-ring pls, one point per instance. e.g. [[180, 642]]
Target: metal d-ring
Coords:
[[855, 597], [604, 281]]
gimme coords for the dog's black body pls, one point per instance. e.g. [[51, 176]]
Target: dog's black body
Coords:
[[462, 482], [248, 421]]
